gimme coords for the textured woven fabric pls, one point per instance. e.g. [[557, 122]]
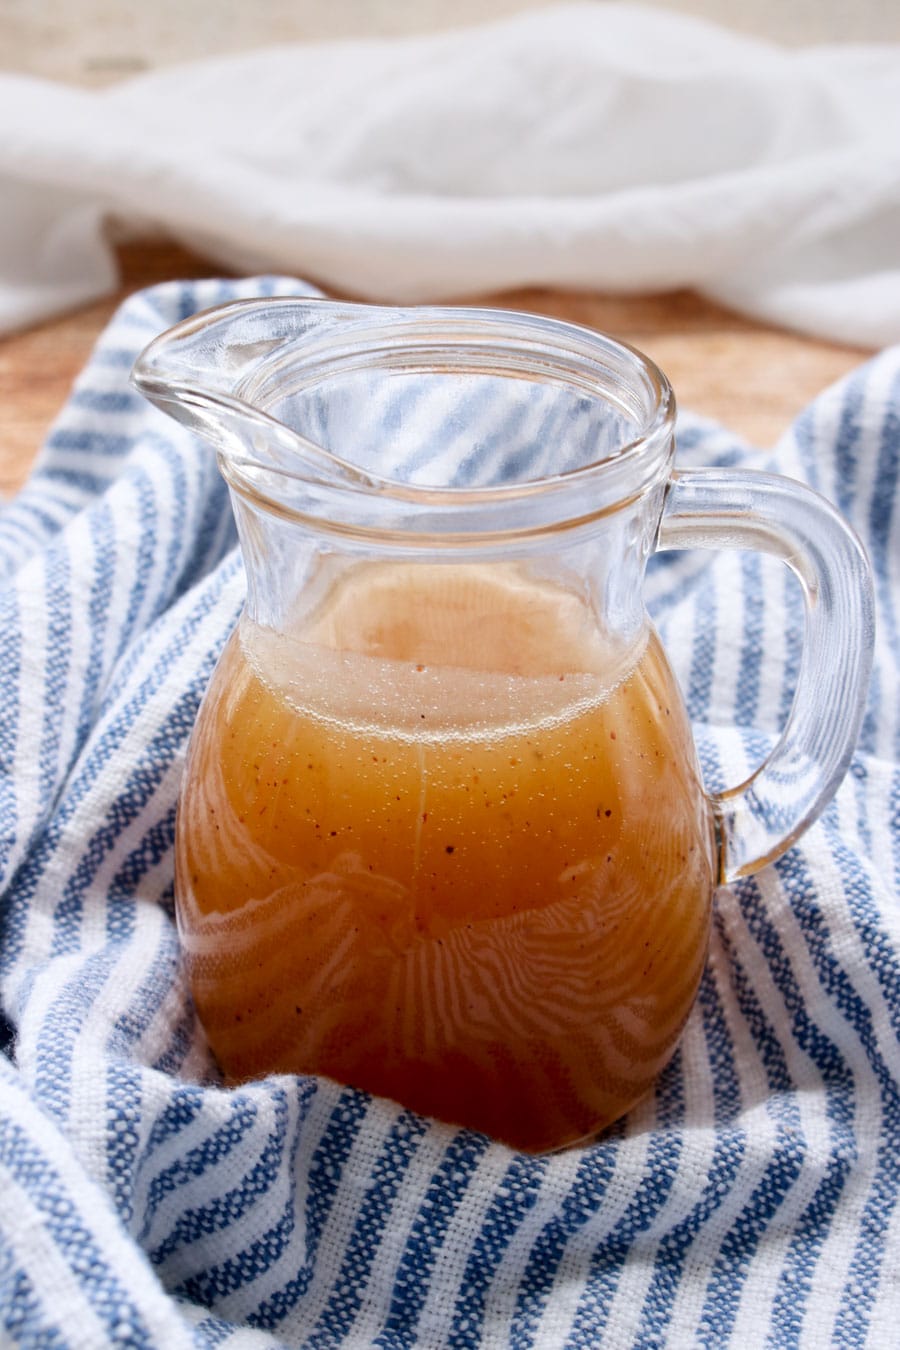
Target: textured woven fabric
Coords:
[[751, 1200]]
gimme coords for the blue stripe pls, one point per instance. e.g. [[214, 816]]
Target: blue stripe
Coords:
[[645, 1211], [750, 668], [103, 538], [56, 676], [208, 602], [137, 792], [784, 1168], [866, 1267], [513, 1199], [143, 563], [124, 1107], [894, 817], [214, 532], [88, 439], [117, 401], [703, 654], [847, 442], [516, 462], [60, 1030], [324, 1175], [169, 1061], [793, 641], [806, 1032], [64, 1226], [388, 1172], [14, 918], [579, 1205], [155, 844], [445, 1193], [881, 522], [23, 1316], [10, 671], [809, 446], [723, 1171], [810, 1231], [25, 525], [219, 1145], [265, 1178], [90, 483], [182, 1108], [108, 356]]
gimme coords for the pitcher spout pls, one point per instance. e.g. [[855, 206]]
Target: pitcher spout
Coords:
[[220, 373]]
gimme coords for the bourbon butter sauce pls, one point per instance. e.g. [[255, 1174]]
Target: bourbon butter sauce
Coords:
[[441, 843]]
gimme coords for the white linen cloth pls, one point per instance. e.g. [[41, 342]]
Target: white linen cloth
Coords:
[[608, 146]]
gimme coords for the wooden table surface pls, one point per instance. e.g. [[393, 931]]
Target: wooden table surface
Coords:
[[752, 378]]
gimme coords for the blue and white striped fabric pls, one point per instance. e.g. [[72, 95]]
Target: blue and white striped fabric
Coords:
[[754, 1200]]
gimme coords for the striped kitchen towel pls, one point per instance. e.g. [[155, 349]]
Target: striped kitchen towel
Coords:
[[752, 1200]]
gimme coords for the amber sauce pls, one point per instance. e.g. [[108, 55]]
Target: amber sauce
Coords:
[[479, 889]]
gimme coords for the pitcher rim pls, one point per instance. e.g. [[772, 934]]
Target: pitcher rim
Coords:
[[361, 328]]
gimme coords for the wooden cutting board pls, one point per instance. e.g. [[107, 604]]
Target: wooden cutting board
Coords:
[[752, 378]]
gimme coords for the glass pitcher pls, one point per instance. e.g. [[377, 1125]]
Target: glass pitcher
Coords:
[[442, 834]]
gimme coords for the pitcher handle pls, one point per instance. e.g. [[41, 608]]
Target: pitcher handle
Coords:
[[730, 508]]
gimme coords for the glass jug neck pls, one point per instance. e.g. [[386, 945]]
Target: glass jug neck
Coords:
[[417, 428]]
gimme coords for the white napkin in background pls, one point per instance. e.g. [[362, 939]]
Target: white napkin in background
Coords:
[[606, 146]]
